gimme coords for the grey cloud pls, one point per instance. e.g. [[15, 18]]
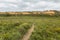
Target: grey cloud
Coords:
[[35, 1], [31, 0], [52, 0]]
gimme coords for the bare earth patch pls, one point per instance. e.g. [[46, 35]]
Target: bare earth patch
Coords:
[[28, 34]]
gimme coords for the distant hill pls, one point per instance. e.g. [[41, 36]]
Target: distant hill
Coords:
[[46, 12]]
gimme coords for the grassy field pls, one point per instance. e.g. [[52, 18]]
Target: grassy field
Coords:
[[14, 27]]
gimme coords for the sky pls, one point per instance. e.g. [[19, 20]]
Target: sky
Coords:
[[29, 5]]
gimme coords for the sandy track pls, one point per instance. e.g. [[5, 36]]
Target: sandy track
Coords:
[[28, 34]]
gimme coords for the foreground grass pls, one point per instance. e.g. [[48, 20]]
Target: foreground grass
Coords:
[[46, 28], [13, 29]]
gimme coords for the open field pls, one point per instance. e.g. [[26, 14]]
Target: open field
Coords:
[[14, 27]]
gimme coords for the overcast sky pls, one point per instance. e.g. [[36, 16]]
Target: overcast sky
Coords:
[[29, 5]]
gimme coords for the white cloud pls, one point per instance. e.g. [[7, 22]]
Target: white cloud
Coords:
[[7, 5], [43, 5], [2, 5], [29, 5], [13, 5], [11, 0]]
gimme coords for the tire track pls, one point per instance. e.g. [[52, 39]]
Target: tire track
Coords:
[[28, 34]]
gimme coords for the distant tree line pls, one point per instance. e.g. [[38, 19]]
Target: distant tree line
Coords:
[[31, 14]]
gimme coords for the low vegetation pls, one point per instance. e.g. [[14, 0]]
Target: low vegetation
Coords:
[[13, 30], [14, 27]]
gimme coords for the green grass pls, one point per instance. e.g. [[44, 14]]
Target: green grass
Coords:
[[14, 27]]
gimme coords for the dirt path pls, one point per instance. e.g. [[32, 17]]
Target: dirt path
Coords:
[[28, 34]]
